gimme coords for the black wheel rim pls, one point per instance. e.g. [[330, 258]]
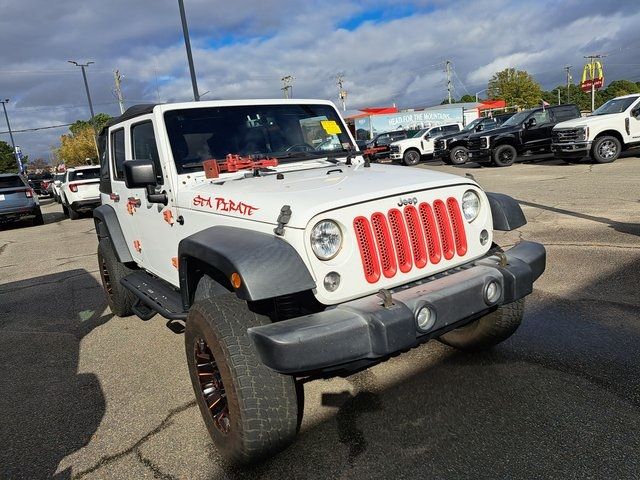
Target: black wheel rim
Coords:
[[412, 158], [211, 386], [506, 156], [106, 278]]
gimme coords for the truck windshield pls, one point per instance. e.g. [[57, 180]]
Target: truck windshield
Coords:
[[616, 105], [517, 119], [472, 125], [290, 132]]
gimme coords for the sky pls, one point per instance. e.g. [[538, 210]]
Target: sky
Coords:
[[389, 51]]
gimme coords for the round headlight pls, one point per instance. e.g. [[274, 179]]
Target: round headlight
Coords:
[[326, 239], [470, 205]]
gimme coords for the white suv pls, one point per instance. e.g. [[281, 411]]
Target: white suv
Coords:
[[607, 132], [280, 258], [411, 150], [79, 190]]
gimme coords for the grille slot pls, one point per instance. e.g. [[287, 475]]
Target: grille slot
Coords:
[[400, 240], [415, 236], [368, 254], [431, 232], [459, 236], [444, 227], [385, 246]]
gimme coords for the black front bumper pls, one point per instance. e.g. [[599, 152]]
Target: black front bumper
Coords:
[[364, 329], [481, 155], [441, 153]]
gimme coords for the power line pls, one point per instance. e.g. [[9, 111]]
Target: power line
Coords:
[[38, 128]]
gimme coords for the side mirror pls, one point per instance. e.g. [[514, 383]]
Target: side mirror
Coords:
[[479, 128], [142, 174], [635, 113], [531, 123], [426, 136]]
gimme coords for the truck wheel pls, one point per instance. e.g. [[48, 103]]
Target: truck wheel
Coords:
[[111, 271], [38, 219], [459, 155], [504, 156], [606, 149], [249, 410], [411, 157], [487, 331]]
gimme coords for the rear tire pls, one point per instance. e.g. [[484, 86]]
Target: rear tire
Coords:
[[250, 410], [606, 149], [65, 210], [487, 331], [38, 219], [504, 156], [458, 155], [111, 271], [73, 215], [411, 157]]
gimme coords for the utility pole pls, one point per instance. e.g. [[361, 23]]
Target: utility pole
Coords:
[[86, 84], [187, 44], [558, 95], [447, 69], [118, 90], [592, 59], [568, 70], [13, 144], [342, 93], [287, 86]]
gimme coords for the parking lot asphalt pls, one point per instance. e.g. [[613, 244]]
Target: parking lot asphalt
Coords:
[[89, 395]]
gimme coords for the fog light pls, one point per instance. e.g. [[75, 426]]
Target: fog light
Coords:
[[332, 281], [426, 318], [484, 237], [492, 292]]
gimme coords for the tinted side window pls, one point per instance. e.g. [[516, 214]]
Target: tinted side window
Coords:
[[144, 147], [565, 113], [383, 140], [117, 152], [451, 128]]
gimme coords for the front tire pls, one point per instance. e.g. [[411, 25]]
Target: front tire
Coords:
[[606, 149], [504, 156], [411, 158], [112, 271], [487, 331], [459, 155], [249, 410]]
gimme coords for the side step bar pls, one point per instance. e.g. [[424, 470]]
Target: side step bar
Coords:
[[155, 296]]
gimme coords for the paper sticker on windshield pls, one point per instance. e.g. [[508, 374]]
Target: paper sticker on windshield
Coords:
[[331, 127]]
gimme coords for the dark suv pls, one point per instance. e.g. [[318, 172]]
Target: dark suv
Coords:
[[17, 199], [382, 141], [526, 133], [452, 148]]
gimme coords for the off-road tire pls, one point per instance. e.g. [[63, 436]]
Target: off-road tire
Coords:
[[38, 219], [606, 149], [111, 271], [504, 156], [487, 331], [455, 156], [411, 157], [73, 215], [261, 404]]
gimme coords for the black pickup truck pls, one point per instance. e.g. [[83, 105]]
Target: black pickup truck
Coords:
[[452, 148], [526, 133]]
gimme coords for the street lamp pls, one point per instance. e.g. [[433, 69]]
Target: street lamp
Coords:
[[483, 90], [13, 144], [86, 84]]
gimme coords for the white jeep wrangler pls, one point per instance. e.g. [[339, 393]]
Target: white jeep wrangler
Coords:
[[603, 135], [257, 229], [411, 150]]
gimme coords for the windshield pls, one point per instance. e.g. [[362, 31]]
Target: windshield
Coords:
[[84, 174], [472, 125], [291, 132], [517, 118], [419, 133], [617, 105]]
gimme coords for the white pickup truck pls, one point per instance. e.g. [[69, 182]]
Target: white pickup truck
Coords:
[[411, 150], [603, 135]]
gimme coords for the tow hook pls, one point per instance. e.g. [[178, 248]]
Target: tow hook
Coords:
[[385, 295]]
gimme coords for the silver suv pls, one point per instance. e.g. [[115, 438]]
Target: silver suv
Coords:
[[18, 200]]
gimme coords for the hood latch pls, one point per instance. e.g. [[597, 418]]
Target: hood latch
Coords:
[[283, 219]]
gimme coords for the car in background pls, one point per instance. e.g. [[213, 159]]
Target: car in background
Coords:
[[38, 181], [411, 150], [452, 148], [58, 178], [379, 145], [18, 200], [79, 192], [526, 133]]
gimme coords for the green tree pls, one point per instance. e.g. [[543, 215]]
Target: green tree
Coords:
[[7, 159], [467, 98], [618, 88], [516, 87], [99, 121]]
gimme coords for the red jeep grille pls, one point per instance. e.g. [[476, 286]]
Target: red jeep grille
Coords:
[[401, 240]]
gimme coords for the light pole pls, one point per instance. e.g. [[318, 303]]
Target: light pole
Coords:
[[13, 144], [187, 44], [86, 84], [477, 93]]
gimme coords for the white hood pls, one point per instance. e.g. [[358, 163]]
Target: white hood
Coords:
[[309, 192], [587, 121]]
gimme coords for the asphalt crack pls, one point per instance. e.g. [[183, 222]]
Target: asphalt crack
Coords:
[[157, 473]]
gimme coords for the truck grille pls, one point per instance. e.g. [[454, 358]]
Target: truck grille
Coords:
[[562, 136], [474, 143], [394, 148], [414, 237]]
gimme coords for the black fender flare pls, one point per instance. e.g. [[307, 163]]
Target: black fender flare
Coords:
[[268, 266], [506, 212], [107, 226], [505, 139]]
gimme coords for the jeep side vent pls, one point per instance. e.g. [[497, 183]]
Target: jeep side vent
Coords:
[[368, 254], [410, 237]]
